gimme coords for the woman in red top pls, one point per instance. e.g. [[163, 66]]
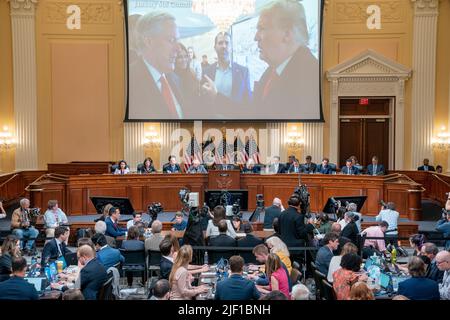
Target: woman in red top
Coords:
[[347, 275], [277, 275]]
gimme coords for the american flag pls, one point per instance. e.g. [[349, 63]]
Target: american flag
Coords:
[[192, 151], [239, 149], [222, 149], [251, 150]]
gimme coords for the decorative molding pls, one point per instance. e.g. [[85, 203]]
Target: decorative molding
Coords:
[[370, 74], [277, 134], [22, 7], [426, 7], [355, 11], [91, 13], [133, 143], [313, 134]]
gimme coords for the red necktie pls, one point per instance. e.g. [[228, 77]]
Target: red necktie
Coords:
[[272, 77], [167, 96]]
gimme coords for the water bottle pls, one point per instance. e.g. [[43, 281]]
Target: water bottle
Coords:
[[394, 255], [205, 258]]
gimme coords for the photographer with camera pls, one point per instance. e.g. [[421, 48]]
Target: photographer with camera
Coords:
[[53, 217], [22, 228], [388, 214], [272, 212], [443, 225]]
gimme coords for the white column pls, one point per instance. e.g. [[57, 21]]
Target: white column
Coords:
[[24, 77], [277, 133], [167, 128], [423, 90], [334, 122], [313, 135], [133, 143]]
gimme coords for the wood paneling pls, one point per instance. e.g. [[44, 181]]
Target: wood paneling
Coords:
[[76, 168]]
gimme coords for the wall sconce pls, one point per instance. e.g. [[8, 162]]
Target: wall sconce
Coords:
[[152, 138], [295, 139], [7, 141], [442, 140]]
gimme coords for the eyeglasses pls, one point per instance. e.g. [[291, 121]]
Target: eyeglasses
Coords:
[[439, 262]]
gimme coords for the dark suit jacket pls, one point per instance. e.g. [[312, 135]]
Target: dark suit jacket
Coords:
[[108, 257], [17, 288], [222, 240], [281, 168], [255, 169], [299, 79], [249, 241], [236, 287], [422, 168], [145, 99], [167, 168], [133, 245], [50, 251], [92, 277], [419, 288], [380, 170], [292, 227], [165, 266], [271, 213], [351, 231], [323, 259], [324, 170], [308, 169], [5, 264], [292, 169], [434, 273], [354, 170], [225, 166], [113, 229]]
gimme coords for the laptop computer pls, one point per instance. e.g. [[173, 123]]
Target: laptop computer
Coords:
[[40, 283], [385, 280]]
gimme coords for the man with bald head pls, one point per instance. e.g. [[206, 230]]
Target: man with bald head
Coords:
[[292, 79], [92, 275], [271, 213], [196, 167], [443, 264]]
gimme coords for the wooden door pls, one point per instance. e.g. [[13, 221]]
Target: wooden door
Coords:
[[351, 139]]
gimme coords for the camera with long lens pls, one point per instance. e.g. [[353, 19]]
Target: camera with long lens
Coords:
[[34, 212], [260, 201], [153, 210], [445, 214], [184, 195], [383, 204], [303, 194], [237, 208]]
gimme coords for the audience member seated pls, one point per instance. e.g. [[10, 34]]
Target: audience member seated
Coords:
[[73, 294], [336, 228], [349, 168], [238, 226], [325, 253], [278, 247], [122, 168], [133, 243], [399, 297], [87, 242], [56, 247], [375, 169], [443, 263], [180, 279], [360, 291], [251, 167], [391, 216], [293, 230], [22, 228], [16, 287], [426, 166], [443, 225], [439, 169], [2, 211], [431, 250], [167, 254], [161, 290], [355, 163], [112, 224], [223, 239], [152, 242], [146, 167], [249, 240], [300, 292], [308, 166], [100, 227], [372, 246], [271, 213], [416, 242], [274, 295], [180, 224], [225, 165], [418, 287], [295, 167], [236, 287], [324, 223], [347, 275], [350, 231], [106, 255], [279, 280], [172, 166], [325, 167], [275, 166], [105, 212], [92, 275], [10, 250], [196, 167], [335, 262], [352, 207], [53, 218], [137, 217], [212, 228]]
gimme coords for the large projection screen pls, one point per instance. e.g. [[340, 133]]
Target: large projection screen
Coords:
[[224, 60]]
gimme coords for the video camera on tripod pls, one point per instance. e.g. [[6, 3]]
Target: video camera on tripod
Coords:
[[153, 209]]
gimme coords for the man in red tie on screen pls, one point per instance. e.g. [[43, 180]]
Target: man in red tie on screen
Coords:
[[154, 90], [290, 85]]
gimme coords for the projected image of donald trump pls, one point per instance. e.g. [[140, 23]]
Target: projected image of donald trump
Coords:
[[292, 79]]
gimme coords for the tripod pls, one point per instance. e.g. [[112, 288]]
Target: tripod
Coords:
[[256, 214]]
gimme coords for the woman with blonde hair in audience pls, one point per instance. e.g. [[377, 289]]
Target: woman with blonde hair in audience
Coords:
[[105, 212], [278, 278], [180, 279], [10, 249], [360, 291], [335, 262], [277, 246]]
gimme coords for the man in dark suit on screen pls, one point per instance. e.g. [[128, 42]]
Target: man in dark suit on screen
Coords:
[[227, 82], [154, 90], [290, 85]]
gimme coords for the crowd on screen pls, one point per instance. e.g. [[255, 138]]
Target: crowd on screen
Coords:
[[277, 274]]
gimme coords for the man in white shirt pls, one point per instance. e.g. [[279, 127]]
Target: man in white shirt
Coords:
[[137, 217], [391, 216], [276, 166], [352, 207]]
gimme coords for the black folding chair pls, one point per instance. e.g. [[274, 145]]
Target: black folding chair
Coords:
[[318, 277], [134, 262], [154, 260], [328, 290], [106, 291]]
